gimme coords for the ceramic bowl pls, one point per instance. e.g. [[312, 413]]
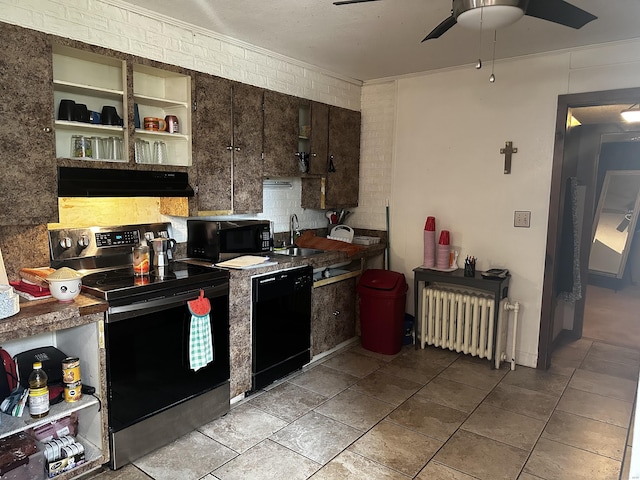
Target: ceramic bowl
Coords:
[[65, 284]]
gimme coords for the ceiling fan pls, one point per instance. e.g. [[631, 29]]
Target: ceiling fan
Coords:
[[494, 14]]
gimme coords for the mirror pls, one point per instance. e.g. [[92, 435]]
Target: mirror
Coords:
[[615, 222]]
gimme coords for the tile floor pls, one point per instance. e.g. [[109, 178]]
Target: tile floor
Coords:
[[422, 414]]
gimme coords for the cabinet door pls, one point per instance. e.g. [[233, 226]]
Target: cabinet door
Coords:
[[344, 158], [332, 315], [247, 148], [213, 143], [319, 138], [28, 184], [280, 135]]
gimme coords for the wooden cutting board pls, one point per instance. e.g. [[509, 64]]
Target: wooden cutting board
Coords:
[[309, 240]]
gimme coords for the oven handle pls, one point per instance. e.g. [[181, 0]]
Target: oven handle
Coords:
[[121, 312]]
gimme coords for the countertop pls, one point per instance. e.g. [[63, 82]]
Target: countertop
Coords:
[[49, 315]]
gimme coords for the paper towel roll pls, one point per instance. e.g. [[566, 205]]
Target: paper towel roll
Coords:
[[3, 272]]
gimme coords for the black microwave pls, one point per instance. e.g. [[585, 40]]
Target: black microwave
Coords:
[[221, 240]]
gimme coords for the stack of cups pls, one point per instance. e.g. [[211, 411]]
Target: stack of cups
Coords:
[[442, 256], [430, 242]]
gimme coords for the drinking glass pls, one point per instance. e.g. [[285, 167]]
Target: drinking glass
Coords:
[[80, 146], [96, 147], [159, 152]]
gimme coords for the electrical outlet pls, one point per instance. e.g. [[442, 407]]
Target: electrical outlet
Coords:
[[522, 219]]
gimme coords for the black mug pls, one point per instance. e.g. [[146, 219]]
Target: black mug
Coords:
[[110, 116], [81, 113], [67, 110]]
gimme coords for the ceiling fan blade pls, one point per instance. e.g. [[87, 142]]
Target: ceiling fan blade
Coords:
[[347, 2], [445, 25], [559, 11]]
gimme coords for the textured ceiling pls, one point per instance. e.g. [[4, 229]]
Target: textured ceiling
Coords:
[[366, 41]]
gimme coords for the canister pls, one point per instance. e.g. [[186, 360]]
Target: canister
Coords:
[[71, 379], [72, 392], [71, 370]]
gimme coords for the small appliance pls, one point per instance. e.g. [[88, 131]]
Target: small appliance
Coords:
[[222, 240]]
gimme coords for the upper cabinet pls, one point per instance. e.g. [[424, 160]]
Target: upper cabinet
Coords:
[[89, 102], [228, 146], [281, 132], [162, 116], [343, 168], [92, 110], [28, 186], [313, 137], [339, 184]]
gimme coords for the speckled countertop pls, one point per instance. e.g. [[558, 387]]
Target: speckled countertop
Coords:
[[49, 315]]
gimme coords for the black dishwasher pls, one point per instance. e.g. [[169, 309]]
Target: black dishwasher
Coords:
[[281, 324]]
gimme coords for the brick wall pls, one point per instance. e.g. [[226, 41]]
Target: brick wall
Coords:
[[376, 154], [127, 28]]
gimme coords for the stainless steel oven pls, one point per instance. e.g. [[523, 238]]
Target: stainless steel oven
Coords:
[[153, 394]]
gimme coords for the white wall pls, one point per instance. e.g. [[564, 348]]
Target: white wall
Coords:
[[449, 128]]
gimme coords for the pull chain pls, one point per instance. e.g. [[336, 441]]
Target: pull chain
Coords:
[[492, 78], [479, 64]]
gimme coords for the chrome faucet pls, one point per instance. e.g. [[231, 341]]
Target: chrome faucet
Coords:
[[294, 228]]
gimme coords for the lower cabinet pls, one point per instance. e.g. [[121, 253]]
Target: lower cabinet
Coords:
[[84, 342], [333, 311]]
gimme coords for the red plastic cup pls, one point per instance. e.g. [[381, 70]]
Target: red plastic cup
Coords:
[[444, 237], [430, 225]]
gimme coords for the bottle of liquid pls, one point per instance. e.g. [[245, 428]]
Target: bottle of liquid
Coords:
[[38, 392]]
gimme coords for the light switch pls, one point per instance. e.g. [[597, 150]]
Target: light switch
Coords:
[[522, 219]]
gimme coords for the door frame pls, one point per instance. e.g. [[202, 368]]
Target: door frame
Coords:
[[556, 205]]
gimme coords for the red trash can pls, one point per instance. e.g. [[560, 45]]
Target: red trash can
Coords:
[[383, 296]]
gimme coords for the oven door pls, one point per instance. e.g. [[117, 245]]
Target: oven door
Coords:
[[147, 346]]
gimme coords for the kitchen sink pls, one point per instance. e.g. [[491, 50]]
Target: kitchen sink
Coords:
[[298, 251]]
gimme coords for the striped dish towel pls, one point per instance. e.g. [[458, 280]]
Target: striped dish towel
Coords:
[[200, 338], [200, 342]]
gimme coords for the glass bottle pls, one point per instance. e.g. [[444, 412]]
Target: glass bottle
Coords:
[[38, 392]]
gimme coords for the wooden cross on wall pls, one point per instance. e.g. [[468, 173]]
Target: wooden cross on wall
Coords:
[[507, 151]]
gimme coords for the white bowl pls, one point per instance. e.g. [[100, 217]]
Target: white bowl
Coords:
[[65, 284], [65, 290]]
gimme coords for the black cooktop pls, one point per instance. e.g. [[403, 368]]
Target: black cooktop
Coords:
[[179, 276]]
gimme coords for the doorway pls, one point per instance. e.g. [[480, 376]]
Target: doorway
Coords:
[[575, 164]]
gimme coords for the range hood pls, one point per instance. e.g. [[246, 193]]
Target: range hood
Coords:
[[99, 182]]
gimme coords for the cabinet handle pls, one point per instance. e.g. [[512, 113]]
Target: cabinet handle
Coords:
[[314, 154], [229, 148], [237, 149], [336, 313], [332, 167], [47, 129]]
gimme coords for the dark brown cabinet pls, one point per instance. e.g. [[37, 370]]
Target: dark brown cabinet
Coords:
[[28, 185], [281, 135], [343, 167], [228, 146], [332, 315], [339, 185], [314, 135]]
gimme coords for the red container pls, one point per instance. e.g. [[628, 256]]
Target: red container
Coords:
[[383, 295]]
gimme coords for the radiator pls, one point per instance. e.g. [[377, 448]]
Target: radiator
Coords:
[[464, 322]]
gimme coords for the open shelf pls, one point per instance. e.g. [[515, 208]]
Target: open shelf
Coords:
[[11, 425], [158, 102], [80, 89]]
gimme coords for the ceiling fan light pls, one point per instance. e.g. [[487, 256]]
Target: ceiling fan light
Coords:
[[631, 114], [493, 17]]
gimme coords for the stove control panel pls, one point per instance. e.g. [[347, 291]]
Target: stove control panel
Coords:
[[113, 239], [78, 247]]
